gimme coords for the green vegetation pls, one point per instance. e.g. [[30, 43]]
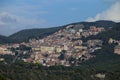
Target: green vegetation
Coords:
[[106, 35], [29, 71], [101, 23], [25, 35], [2, 77], [4, 39], [105, 57]]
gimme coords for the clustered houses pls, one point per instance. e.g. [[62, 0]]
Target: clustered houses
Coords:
[[4, 49], [18, 50], [117, 49], [64, 47]]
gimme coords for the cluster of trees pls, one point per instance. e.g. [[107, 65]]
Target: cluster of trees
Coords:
[[4, 39], [27, 71], [2, 77]]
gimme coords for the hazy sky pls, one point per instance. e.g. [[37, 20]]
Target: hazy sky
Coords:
[[16, 15]]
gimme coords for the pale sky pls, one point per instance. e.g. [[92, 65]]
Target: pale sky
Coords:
[[16, 15]]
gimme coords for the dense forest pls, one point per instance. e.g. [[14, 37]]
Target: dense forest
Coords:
[[4, 39]]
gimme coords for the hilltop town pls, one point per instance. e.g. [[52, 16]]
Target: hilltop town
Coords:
[[64, 47]]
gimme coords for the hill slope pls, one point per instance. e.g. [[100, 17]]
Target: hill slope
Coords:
[[111, 33], [4, 39], [105, 62], [25, 35], [105, 58], [101, 23]]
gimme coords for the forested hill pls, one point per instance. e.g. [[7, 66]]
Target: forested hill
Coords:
[[4, 39], [114, 33], [25, 35], [101, 23], [105, 57]]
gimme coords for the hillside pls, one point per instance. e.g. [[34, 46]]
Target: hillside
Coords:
[[111, 33], [106, 56], [4, 39], [25, 35], [101, 23], [105, 62]]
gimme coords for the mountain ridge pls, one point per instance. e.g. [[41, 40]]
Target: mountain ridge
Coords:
[[43, 32], [4, 39], [26, 34]]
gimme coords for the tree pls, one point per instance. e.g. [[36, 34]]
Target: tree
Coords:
[[2, 77]]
